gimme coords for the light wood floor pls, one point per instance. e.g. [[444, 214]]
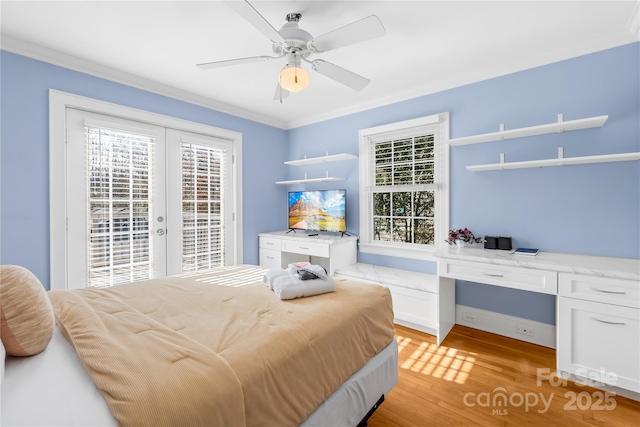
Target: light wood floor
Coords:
[[439, 384]]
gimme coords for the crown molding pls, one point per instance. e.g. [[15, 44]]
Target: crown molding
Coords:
[[631, 34], [634, 21], [50, 56], [616, 39]]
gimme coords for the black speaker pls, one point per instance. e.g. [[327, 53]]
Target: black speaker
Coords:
[[490, 242], [504, 243], [497, 242]]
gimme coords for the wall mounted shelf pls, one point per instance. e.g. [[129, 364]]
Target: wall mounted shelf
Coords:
[[321, 159], [560, 161], [326, 178], [560, 126]]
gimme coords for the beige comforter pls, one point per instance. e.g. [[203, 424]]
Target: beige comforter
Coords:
[[219, 348]]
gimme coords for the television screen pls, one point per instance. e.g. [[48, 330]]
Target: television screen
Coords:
[[323, 210]]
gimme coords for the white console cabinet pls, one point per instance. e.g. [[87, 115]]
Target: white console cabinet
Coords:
[[332, 251]]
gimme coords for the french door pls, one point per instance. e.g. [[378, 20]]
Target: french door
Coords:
[[143, 201]]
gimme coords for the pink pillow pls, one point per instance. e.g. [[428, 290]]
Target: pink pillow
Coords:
[[26, 315]]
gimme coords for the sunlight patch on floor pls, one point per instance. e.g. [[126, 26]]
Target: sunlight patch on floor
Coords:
[[447, 363]]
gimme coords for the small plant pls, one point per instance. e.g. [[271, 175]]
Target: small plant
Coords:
[[464, 235]]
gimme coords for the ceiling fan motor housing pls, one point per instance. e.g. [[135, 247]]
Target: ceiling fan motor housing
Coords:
[[296, 39]]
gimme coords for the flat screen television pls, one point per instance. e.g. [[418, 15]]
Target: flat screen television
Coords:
[[321, 210]]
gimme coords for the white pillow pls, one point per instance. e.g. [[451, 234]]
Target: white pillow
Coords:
[[3, 355]]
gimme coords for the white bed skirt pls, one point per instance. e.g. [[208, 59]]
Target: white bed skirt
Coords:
[[53, 389]]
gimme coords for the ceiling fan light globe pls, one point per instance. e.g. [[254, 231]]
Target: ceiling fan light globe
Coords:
[[294, 79]]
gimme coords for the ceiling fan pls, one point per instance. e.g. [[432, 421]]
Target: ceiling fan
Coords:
[[298, 45]]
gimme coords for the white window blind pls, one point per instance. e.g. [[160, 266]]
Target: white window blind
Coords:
[[402, 186], [203, 171], [119, 176]]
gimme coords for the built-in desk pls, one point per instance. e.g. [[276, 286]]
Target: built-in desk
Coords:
[[330, 250], [617, 268], [598, 304]]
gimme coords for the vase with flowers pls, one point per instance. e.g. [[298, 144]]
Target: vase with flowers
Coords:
[[463, 237]]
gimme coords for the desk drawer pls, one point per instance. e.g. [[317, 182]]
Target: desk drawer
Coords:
[[306, 248], [600, 289], [527, 279], [270, 258], [270, 243]]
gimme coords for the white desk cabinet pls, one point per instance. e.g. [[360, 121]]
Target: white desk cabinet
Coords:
[[270, 252], [332, 251], [421, 301], [597, 303], [599, 329]]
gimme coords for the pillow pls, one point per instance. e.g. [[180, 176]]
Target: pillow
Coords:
[[26, 315], [3, 355]]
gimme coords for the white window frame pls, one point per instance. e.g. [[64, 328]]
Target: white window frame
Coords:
[[58, 104], [441, 183]]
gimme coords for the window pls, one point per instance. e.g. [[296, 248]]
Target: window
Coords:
[[404, 191]]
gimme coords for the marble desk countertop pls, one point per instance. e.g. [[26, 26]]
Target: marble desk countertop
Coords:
[[619, 268], [391, 276], [318, 236]]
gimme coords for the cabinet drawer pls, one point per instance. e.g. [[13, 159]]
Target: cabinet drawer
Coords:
[[414, 306], [306, 248], [270, 243], [600, 289], [511, 277], [270, 258], [596, 338], [409, 305]]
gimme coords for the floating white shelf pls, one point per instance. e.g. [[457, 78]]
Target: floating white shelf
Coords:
[[326, 178], [560, 161], [321, 159], [560, 126]]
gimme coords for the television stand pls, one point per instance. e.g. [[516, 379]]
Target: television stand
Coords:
[[278, 249], [290, 230]]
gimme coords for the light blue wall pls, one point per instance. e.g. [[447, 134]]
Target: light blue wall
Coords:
[[586, 209], [24, 175]]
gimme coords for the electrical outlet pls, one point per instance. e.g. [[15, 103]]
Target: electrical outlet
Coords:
[[467, 317], [524, 330]]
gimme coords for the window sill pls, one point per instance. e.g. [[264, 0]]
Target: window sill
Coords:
[[399, 251]]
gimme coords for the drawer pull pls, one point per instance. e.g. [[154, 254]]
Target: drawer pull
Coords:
[[270, 243], [302, 247], [493, 274], [607, 322], [270, 257], [604, 291]]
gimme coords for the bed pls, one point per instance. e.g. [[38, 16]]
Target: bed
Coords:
[[325, 360]]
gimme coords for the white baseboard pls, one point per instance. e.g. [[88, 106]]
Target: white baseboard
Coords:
[[508, 326]]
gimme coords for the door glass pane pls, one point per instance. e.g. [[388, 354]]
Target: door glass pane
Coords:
[[202, 207], [119, 176]]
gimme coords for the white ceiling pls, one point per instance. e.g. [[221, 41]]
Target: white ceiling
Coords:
[[429, 46]]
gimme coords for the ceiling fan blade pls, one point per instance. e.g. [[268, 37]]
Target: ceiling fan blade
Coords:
[[280, 94], [248, 12], [365, 29], [229, 62], [339, 74]]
